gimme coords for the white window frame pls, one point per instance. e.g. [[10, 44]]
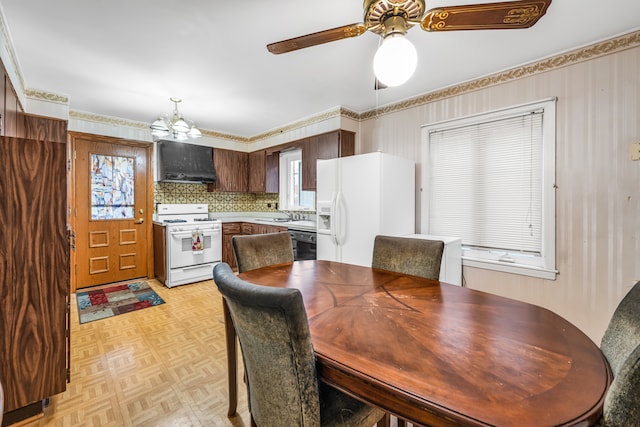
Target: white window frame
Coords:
[[286, 181], [542, 265]]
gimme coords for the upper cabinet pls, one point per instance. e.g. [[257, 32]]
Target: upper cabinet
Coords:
[[263, 172], [232, 168], [330, 145], [258, 172]]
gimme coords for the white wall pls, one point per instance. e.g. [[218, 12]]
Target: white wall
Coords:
[[598, 197]]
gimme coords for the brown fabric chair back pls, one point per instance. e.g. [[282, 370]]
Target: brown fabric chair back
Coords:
[[416, 257], [621, 346], [280, 366], [260, 250]]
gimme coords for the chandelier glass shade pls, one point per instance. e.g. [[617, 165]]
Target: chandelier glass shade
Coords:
[[176, 126]]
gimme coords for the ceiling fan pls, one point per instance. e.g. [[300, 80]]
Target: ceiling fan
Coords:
[[393, 18]]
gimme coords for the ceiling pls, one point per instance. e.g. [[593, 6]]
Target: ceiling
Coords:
[[125, 59]]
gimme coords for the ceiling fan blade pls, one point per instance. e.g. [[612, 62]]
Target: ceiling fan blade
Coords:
[[320, 37], [488, 16]]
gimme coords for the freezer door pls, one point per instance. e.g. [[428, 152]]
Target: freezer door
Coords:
[[358, 212]]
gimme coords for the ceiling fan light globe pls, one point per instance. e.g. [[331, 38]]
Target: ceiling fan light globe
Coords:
[[395, 61]]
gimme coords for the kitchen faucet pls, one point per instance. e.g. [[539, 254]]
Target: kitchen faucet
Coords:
[[289, 215]]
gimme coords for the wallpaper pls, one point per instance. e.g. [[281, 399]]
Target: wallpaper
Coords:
[[170, 192]]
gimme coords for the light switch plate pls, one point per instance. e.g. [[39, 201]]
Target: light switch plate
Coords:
[[634, 151]]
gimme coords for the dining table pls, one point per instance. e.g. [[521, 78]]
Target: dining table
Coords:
[[437, 354]]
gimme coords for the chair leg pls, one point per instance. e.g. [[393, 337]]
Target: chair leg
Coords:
[[384, 421], [232, 359]]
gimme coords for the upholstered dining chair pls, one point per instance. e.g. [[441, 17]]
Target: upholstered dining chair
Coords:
[[280, 365], [260, 250], [413, 256], [621, 346]]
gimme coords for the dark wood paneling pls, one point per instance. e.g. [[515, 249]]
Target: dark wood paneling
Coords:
[[35, 294], [45, 128]]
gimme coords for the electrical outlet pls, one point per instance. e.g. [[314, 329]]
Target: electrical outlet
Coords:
[[634, 151]]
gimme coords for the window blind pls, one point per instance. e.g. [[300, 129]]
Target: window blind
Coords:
[[486, 183]]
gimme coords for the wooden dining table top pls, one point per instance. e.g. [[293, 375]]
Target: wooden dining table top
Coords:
[[438, 354]]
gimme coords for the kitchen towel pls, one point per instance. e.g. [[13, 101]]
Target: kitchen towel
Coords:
[[197, 242]]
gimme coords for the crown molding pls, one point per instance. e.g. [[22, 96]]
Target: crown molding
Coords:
[[41, 95], [607, 47]]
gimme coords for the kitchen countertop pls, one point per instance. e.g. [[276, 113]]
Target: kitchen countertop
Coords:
[[262, 218]]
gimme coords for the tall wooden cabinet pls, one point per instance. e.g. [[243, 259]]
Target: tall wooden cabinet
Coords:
[[34, 272]]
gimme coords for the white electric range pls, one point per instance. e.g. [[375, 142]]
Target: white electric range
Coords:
[[193, 242]]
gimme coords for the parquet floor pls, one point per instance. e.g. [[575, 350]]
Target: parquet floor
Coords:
[[160, 366]]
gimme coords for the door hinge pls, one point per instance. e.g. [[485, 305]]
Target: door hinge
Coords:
[[68, 165]]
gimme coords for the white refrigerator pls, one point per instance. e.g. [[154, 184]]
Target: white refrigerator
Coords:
[[359, 197]]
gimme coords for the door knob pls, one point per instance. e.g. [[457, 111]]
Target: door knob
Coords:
[[138, 221]]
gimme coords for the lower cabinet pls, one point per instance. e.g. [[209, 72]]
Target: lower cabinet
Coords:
[[230, 229]]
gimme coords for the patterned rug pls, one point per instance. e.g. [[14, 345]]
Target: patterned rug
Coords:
[[113, 300]]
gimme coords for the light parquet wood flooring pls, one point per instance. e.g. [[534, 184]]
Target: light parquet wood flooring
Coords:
[[160, 366]]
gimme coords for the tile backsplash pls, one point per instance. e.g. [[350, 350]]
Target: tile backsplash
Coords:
[[171, 192]]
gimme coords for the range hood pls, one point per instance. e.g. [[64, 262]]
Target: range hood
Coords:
[[184, 162]]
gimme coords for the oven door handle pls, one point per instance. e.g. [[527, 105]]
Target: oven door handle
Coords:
[[209, 232]]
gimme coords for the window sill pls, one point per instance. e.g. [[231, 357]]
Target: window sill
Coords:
[[514, 268]]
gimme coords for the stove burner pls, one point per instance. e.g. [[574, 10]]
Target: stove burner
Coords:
[[175, 220]]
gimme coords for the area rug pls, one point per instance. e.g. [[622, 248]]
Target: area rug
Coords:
[[113, 300]]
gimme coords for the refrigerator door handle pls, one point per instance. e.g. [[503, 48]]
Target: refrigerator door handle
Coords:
[[334, 218], [339, 221]]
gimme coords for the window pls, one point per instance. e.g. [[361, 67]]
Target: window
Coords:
[[292, 197], [112, 190], [490, 179]]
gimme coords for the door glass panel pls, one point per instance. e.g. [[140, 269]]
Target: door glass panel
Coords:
[[112, 188]]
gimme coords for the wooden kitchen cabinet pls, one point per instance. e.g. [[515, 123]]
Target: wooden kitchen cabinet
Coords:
[[160, 252], [263, 172], [34, 274], [230, 229], [232, 171], [330, 145]]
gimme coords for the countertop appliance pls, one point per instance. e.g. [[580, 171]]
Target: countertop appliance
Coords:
[[359, 197], [193, 242]]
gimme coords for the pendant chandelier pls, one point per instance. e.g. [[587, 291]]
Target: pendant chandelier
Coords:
[[176, 126]]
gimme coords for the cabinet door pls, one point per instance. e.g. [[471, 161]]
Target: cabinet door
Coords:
[[263, 172], [232, 170], [330, 145], [257, 171], [273, 172], [34, 269], [229, 230]]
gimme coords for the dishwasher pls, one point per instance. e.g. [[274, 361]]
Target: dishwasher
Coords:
[[304, 244]]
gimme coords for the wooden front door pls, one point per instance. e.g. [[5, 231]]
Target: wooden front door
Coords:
[[113, 200]]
